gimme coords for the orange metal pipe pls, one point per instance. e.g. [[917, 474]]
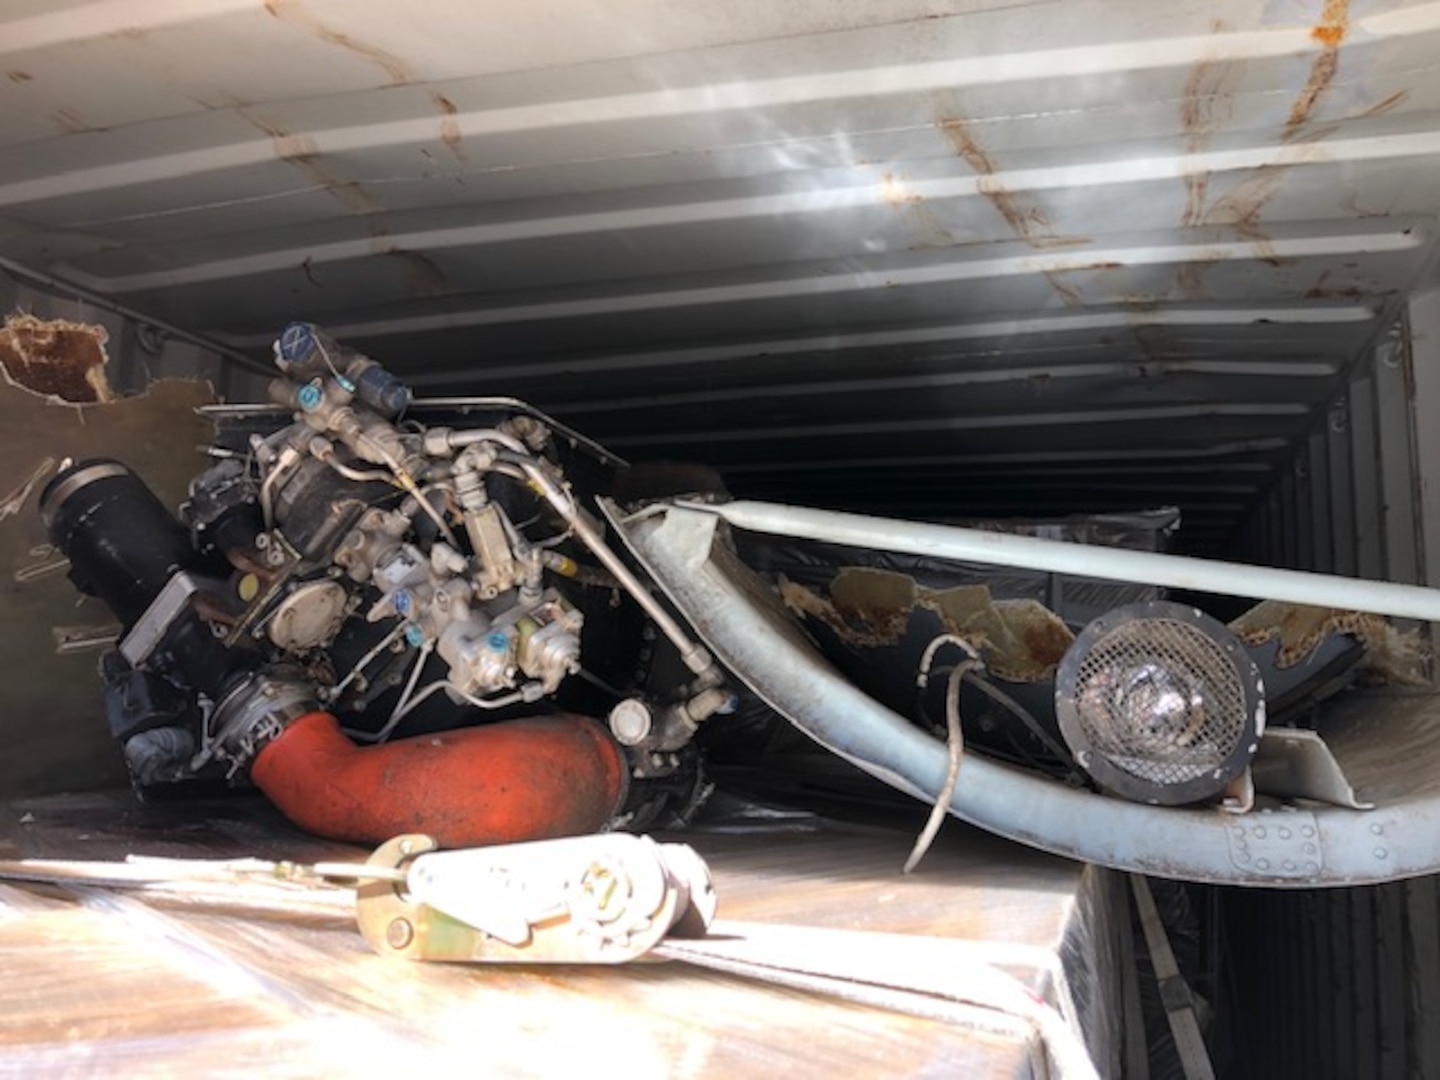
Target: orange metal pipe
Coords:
[[528, 779]]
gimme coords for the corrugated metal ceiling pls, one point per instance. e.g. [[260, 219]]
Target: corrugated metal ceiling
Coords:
[[929, 257]]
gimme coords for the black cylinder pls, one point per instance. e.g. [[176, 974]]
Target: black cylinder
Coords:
[[382, 391], [123, 546]]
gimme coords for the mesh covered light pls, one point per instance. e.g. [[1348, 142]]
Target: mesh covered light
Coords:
[[1160, 703]]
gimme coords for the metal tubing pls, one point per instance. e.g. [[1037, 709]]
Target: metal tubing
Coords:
[[754, 636], [1113, 564], [692, 653]]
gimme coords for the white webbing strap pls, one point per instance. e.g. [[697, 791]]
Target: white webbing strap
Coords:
[[931, 977]]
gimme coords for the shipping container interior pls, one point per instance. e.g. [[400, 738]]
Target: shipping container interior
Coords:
[[924, 259]]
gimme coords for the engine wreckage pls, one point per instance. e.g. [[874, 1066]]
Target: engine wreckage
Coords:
[[410, 617]]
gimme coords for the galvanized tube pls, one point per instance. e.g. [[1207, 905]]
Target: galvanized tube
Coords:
[[1112, 564]]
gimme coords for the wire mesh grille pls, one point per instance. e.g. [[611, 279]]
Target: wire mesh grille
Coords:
[[1160, 700]]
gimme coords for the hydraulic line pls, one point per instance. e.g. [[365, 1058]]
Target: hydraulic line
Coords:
[[695, 656]]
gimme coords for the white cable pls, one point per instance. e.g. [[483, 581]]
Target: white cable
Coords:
[[398, 713], [385, 643]]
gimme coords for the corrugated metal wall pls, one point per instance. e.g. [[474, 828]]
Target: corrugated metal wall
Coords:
[[1349, 502], [1336, 983], [1346, 982]]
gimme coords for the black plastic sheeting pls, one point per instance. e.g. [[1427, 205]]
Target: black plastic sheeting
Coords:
[[1077, 600]]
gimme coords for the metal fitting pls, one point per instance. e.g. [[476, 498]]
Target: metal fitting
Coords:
[[254, 714]]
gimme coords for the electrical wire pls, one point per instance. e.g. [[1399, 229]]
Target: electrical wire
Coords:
[[599, 683], [398, 713], [325, 355], [360, 665], [955, 743], [954, 739], [1025, 716], [430, 691]]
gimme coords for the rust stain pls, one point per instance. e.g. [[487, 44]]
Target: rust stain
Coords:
[[1196, 185], [1204, 105], [294, 13], [425, 276], [56, 357], [300, 152], [1330, 32], [933, 234], [1241, 207], [1060, 241], [893, 191], [1157, 346], [1382, 107], [1321, 290], [348, 193], [1334, 23], [288, 146], [1027, 221], [19, 76], [219, 101], [449, 124], [1068, 295], [71, 123], [1322, 74], [1047, 642], [1351, 203], [1190, 281]]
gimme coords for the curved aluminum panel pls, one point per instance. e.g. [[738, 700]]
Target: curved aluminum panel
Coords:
[[741, 621]]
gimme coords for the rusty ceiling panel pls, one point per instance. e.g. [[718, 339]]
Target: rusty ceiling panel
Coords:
[[960, 244]]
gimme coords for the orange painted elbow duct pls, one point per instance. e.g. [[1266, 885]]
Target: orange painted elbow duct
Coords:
[[520, 780]]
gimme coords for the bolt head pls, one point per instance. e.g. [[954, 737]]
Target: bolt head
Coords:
[[399, 933]]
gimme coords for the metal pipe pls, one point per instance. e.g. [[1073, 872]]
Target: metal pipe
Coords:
[[1085, 560], [696, 658], [457, 440]]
